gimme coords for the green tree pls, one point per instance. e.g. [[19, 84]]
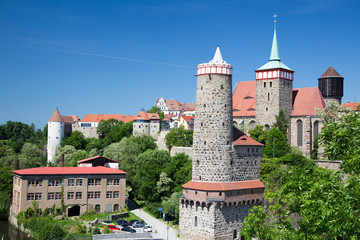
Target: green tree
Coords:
[[5, 190], [163, 185], [8, 157], [171, 205], [68, 152], [105, 126], [148, 167], [31, 156], [179, 137], [157, 110], [332, 112], [281, 123], [276, 145], [258, 134], [180, 169], [113, 152], [76, 139], [79, 155], [118, 132]]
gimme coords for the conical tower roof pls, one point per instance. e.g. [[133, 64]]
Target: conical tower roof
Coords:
[[217, 57], [330, 72], [56, 117]]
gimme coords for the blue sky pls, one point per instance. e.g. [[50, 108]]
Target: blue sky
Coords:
[[119, 56]]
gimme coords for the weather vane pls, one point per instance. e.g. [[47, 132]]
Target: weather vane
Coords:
[[275, 17]]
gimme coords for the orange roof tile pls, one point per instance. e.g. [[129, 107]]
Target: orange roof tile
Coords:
[[56, 117], [330, 72], [175, 105], [241, 139], [142, 115], [68, 170], [223, 186], [352, 106], [128, 118], [305, 100], [188, 119], [98, 117], [244, 97]]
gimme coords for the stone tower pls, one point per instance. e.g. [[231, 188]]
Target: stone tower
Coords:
[[331, 86], [56, 129], [274, 84], [224, 185]]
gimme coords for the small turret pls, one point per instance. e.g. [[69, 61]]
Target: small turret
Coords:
[[56, 128], [331, 85]]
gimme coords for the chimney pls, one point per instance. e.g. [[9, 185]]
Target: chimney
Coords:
[[62, 160]]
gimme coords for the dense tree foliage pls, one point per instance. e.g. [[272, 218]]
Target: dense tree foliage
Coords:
[[5, 190], [179, 137], [281, 123], [76, 139], [259, 134], [157, 110], [111, 131], [31, 156], [276, 145]]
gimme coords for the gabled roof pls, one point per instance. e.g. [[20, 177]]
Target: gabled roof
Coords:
[[168, 117], [241, 139], [57, 117], [352, 106], [67, 171], [305, 100], [223, 186], [188, 119], [244, 99], [128, 118], [142, 115], [330, 72], [99, 117], [96, 157]]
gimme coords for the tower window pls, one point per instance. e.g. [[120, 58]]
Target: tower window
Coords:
[[197, 162], [267, 127], [231, 162], [268, 96], [195, 192], [270, 84], [222, 87], [204, 142], [201, 124], [220, 193], [201, 88], [267, 109], [204, 105], [199, 177], [223, 124], [196, 221], [264, 84]]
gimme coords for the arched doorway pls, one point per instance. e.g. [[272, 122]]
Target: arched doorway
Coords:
[[116, 207], [74, 211], [97, 208]]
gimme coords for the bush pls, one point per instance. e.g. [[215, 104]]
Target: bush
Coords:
[[29, 213], [96, 231]]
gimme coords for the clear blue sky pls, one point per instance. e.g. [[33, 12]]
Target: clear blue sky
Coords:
[[119, 56]]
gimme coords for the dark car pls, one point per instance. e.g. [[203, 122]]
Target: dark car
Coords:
[[122, 222], [128, 229], [113, 227], [131, 222]]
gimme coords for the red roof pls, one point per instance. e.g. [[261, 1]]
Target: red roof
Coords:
[[98, 117], [142, 115], [67, 170], [330, 72], [57, 117], [175, 105], [96, 157], [188, 119], [244, 99], [128, 118], [305, 100], [223, 186], [241, 139], [352, 106]]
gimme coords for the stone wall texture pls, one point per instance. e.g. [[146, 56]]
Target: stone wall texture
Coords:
[[331, 165], [187, 150]]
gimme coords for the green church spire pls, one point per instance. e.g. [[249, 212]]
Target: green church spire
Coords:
[[274, 56]]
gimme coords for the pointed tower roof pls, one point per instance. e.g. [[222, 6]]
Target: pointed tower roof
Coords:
[[216, 66], [56, 117], [217, 57], [330, 72], [274, 61]]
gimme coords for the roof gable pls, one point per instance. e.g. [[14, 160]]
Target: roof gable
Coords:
[[305, 100]]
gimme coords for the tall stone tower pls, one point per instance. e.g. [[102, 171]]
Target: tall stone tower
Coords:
[[274, 84], [331, 85], [225, 183], [56, 130]]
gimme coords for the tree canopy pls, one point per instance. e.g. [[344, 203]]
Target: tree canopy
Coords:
[[281, 123], [276, 145], [179, 137]]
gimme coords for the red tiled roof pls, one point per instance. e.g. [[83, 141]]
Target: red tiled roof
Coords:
[[175, 105], [168, 117], [223, 186], [305, 100], [241, 139], [190, 109], [98, 117], [71, 118], [352, 106], [67, 170], [188, 119], [96, 157], [244, 97], [128, 118], [142, 115], [57, 117], [330, 72]]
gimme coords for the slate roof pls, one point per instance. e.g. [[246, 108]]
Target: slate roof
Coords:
[[67, 171], [330, 72], [223, 186]]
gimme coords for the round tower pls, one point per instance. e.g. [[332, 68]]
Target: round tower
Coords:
[[331, 86], [213, 122], [56, 127]]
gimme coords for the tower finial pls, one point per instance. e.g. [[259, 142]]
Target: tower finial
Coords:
[[275, 17]]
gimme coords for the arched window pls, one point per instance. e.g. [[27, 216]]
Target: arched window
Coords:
[[116, 207], [252, 124], [97, 208], [299, 124], [267, 127], [274, 74], [316, 129]]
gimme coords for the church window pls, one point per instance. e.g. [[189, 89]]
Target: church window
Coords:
[[299, 133], [316, 129], [264, 84], [270, 84], [196, 221], [252, 124]]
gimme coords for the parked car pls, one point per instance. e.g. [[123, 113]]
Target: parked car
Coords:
[[113, 227], [138, 224], [106, 222], [147, 228], [122, 222], [128, 229], [131, 222]]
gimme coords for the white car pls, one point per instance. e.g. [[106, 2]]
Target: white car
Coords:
[[147, 228]]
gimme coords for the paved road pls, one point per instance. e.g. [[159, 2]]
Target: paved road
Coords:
[[162, 230]]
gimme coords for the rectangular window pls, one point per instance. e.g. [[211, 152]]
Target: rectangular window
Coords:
[[70, 182], [79, 182], [97, 194], [51, 182], [70, 195], [98, 182], [51, 196], [91, 182], [109, 194], [90, 195], [109, 182], [116, 181], [31, 183], [58, 182], [30, 196], [116, 194], [37, 196], [57, 196], [38, 183], [86, 124], [78, 195]]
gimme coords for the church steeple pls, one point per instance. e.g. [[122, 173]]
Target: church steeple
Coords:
[[274, 56]]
